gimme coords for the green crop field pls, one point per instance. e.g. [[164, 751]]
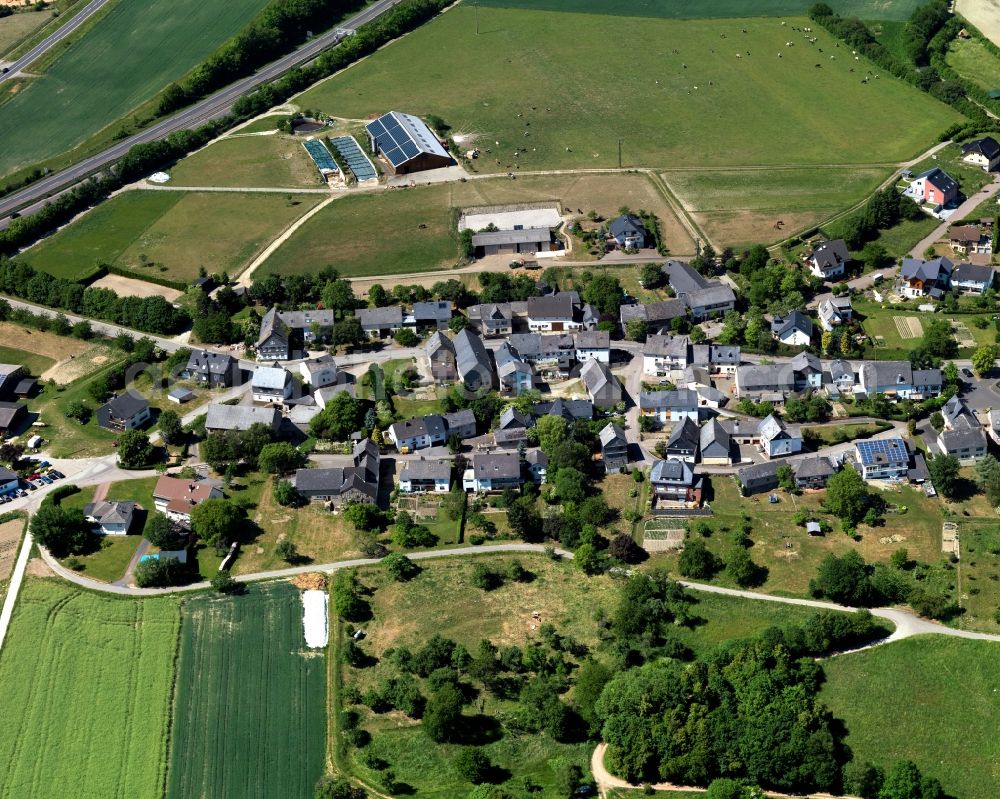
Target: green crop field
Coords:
[[546, 84], [87, 683], [972, 60], [701, 9], [254, 161], [739, 207], [250, 716], [110, 70], [170, 233], [940, 698], [15, 27]]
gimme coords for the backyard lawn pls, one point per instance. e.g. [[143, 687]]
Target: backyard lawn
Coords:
[[169, 234], [688, 100], [941, 696]]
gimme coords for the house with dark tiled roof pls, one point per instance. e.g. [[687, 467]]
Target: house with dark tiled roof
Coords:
[[128, 411], [777, 439], [441, 358], [472, 360], [675, 484], [834, 312], [553, 313], [813, 472], [669, 406], [663, 354], [628, 231], [919, 278], [715, 444], [716, 358], [829, 259], [683, 441], [515, 375], [793, 330], [984, 153], [614, 448], [657, 316], [758, 478], [934, 187], [963, 436], [380, 322], [972, 278], [425, 476], [703, 297], [275, 340], [212, 369], [110, 517], [495, 319], [494, 471], [319, 372], [434, 315], [603, 387], [356, 481], [570, 410]]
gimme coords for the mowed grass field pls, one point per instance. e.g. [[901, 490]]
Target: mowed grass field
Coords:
[[35, 364], [250, 715], [740, 207], [169, 233], [411, 230], [941, 696], [253, 161], [122, 61], [705, 9], [15, 27], [547, 83], [87, 684], [972, 60]]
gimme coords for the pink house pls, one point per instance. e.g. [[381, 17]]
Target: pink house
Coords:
[[935, 187]]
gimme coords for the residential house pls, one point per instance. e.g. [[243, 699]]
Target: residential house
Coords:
[[319, 372], [433, 315], [628, 231], [716, 358], [835, 312], [9, 481], [758, 478], [13, 416], [240, 417], [657, 316], [984, 153], [494, 471], [212, 369], [441, 358], [553, 313], [590, 317], [380, 322], [175, 497], [993, 417], [813, 472], [515, 375], [670, 406], [493, 320], [551, 355], [972, 279], [675, 484], [271, 384], [882, 459], [807, 371], [683, 442], [899, 380], [472, 360], [764, 382], [26, 388], [919, 278], [777, 439], [704, 298], [431, 476], [715, 444], [842, 377], [663, 354], [603, 387], [614, 448], [110, 518], [358, 481], [512, 417], [570, 410], [275, 340], [128, 411], [962, 436], [934, 187], [538, 465], [322, 396], [460, 423], [969, 239], [419, 433], [828, 259], [593, 344], [793, 330]]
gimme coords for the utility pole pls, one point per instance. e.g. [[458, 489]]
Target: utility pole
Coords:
[[619, 153]]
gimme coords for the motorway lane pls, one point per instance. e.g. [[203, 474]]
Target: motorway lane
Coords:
[[43, 47], [32, 198]]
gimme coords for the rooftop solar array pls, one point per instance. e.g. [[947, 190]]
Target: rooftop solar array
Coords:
[[320, 155], [355, 157], [402, 137], [882, 450]]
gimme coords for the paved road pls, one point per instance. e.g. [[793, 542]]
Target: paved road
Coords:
[[50, 41], [16, 577], [33, 197]]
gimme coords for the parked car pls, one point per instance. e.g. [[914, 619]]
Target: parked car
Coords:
[[56, 475], [46, 479], [32, 487], [966, 372]]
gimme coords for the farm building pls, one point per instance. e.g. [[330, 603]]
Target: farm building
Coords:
[[406, 143], [512, 242]]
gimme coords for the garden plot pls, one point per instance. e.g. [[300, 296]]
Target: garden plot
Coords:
[[663, 535], [963, 335], [908, 327]]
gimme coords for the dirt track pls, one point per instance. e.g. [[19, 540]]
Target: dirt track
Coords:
[[130, 287], [984, 14]]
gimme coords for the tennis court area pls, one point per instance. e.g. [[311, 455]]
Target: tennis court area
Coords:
[[320, 156], [357, 161]]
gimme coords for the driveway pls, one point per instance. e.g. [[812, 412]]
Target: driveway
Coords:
[[961, 212]]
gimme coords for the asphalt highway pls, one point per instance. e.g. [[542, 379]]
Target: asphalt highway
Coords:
[[32, 198], [43, 47]]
